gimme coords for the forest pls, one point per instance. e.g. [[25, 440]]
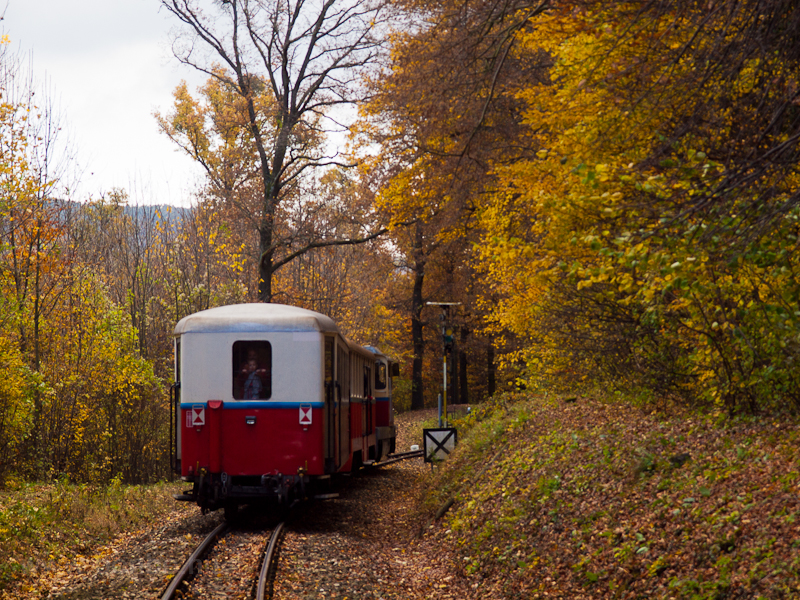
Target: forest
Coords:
[[608, 192]]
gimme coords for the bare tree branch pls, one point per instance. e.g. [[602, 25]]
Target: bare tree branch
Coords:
[[310, 54]]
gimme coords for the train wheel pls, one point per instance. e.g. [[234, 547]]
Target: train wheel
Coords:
[[231, 512], [381, 450], [357, 462]]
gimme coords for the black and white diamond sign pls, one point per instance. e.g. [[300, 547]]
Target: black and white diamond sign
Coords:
[[439, 443]]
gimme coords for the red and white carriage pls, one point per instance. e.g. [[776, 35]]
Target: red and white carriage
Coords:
[[269, 398]]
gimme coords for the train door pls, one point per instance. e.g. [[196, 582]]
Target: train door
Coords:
[[331, 407], [343, 400], [369, 403]]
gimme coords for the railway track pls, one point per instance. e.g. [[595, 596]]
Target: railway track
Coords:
[[393, 458], [182, 582], [200, 560]]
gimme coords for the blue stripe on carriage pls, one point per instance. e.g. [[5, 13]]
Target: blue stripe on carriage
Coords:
[[384, 399], [249, 404]]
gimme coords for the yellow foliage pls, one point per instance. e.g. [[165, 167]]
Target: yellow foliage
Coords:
[[585, 243]]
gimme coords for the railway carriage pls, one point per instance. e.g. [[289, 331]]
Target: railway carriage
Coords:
[[269, 398]]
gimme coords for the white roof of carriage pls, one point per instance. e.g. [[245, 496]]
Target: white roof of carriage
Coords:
[[255, 318]]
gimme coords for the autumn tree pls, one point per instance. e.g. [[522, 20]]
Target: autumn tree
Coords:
[[77, 397], [283, 68], [34, 260], [327, 278], [648, 243], [442, 113]]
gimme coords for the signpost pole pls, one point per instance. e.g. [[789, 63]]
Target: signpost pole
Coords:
[[444, 363], [447, 346]]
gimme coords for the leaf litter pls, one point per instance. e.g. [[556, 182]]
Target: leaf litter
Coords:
[[586, 499]]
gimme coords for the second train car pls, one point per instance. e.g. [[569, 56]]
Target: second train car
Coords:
[[269, 398]]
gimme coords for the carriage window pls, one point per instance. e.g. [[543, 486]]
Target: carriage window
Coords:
[[252, 370], [380, 375], [328, 360]]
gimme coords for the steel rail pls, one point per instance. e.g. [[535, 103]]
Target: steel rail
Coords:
[[180, 576], [409, 454], [398, 457], [266, 565]]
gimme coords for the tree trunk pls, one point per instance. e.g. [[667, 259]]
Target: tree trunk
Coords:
[[417, 339], [265, 277], [266, 262], [455, 364], [491, 370], [462, 371]]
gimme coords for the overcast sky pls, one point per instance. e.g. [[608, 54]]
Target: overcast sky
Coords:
[[109, 66]]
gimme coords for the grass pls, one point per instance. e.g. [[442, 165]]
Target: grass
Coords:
[[598, 499], [45, 523]]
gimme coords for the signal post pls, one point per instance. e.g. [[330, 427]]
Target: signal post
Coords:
[[439, 443]]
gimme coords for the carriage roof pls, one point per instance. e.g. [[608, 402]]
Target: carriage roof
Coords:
[[376, 352], [252, 318]]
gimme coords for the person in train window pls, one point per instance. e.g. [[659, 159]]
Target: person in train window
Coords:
[[252, 384], [251, 377]]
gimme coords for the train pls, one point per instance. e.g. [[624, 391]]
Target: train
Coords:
[[270, 401]]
